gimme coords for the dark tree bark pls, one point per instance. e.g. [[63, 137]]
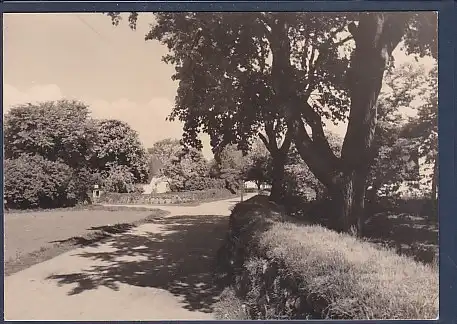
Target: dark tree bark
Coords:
[[376, 36], [277, 184], [279, 159]]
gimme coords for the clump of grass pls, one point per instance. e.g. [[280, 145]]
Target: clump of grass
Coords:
[[230, 307]]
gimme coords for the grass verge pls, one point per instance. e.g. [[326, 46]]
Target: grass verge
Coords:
[[96, 235], [283, 269]]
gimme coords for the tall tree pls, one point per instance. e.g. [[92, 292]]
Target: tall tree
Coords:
[[118, 145], [56, 130], [220, 52], [187, 171], [223, 63], [165, 150], [258, 165], [376, 35], [231, 166]]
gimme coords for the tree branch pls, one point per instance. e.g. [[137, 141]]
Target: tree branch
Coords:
[[269, 129], [341, 42], [265, 142], [285, 146], [317, 163]]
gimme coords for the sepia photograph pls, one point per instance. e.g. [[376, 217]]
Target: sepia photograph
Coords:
[[220, 165]]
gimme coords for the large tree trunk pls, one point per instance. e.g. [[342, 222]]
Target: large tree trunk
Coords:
[[349, 199], [277, 185], [376, 36]]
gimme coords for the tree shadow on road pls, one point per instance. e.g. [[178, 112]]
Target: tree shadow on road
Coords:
[[179, 257]]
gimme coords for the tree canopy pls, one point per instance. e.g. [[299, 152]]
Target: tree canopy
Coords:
[[56, 130], [287, 73], [165, 150], [72, 152], [118, 144], [187, 171]]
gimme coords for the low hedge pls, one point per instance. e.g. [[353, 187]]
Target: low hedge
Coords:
[[165, 198], [282, 269]]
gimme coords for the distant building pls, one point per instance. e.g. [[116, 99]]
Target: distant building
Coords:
[[157, 185], [250, 185], [157, 182], [155, 167]]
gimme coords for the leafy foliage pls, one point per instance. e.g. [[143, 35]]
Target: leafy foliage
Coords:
[[423, 130], [400, 143], [165, 150], [188, 170], [119, 179], [117, 146], [32, 181], [56, 130], [424, 126], [230, 166], [259, 165], [60, 138], [224, 67]]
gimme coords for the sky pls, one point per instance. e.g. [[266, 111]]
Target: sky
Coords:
[[112, 69]]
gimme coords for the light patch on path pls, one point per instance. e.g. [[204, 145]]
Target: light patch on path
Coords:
[[157, 271]]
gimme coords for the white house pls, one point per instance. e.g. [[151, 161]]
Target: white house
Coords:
[[157, 185], [250, 185]]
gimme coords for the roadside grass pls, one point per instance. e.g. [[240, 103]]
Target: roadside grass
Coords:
[[354, 279], [282, 268], [405, 225], [94, 235]]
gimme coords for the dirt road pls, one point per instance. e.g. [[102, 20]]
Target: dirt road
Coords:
[[157, 271]]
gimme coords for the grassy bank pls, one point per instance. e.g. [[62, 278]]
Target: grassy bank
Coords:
[[279, 268]]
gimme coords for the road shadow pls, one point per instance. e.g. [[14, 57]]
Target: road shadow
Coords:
[[411, 235], [179, 258]]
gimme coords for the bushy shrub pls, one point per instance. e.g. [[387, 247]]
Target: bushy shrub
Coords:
[[119, 179], [31, 181], [300, 182], [198, 183]]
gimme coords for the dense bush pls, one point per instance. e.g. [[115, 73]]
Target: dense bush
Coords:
[[301, 183], [56, 130], [286, 270], [165, 198], [119, 179], [32, 181], [118, 146]]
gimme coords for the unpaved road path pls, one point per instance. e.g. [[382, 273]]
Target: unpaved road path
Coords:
[[157, 271]]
